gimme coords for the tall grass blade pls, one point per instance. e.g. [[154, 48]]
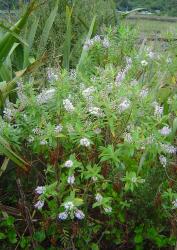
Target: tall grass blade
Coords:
[[47, 28], [84, 52], [68, 36]]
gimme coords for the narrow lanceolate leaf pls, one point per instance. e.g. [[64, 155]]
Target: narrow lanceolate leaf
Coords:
[[67, 42], [47, 28], [84, 52], [9, 39], [9, 153], [30, 40], [4, 166]]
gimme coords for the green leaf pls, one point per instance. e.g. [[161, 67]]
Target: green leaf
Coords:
[[12, 236], [2, 236], [94, 246], [39, 236], [138, 239]]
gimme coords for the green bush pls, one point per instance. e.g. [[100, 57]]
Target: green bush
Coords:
[[103, 138]]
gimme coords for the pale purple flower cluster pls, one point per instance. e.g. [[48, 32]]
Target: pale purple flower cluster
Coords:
[[165, 131], [124, 105], [39, 204], [68, 105], [96, 40], [163, 160], [40, 190], [71, 179], [52, 74], [69, 208], [45, 96], [158, 110], [98, 197], [168, 148], [122, 74], [96, 111], [58, 128]]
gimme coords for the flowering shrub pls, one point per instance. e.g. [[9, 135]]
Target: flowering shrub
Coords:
[[104, 138]]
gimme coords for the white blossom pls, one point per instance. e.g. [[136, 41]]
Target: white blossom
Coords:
[[43, 142], [169, 60], [108, 209], [127, 137], [63, 216], [163, 160], [85, 142], [58, 128], [96, 111], [8, 114], [106, 43], [97, 131], [134, 179], [52, 74], [79, 214], [69, 205], [165, 131], [68, 164], [88, 92], [144, 63], [158, 110], [151, 55], [174, 203], [94, 178], [167, 148], [124, 105], [144, 93], [30, 139], [45, 96], [39, 204], [68, 105], [37, 131], [40, 189], [73, 74], [71, 179], [98, 197]]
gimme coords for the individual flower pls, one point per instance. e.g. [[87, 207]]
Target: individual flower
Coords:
[[63, 216], [40, 189], [70, 128], [68, 105], [165, 131], [79, 214], [71, 179], [169, 60], [163, 160], [144, 63], [39, 204], [134, 179], [58, 128], [124, 105], [68, 164], [85, 142], [108, 210], [45, 96], [98, 197], [151, 55], [43, 142], [69, 205]]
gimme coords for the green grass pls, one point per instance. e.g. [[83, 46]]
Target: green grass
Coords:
[[152, 28]]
